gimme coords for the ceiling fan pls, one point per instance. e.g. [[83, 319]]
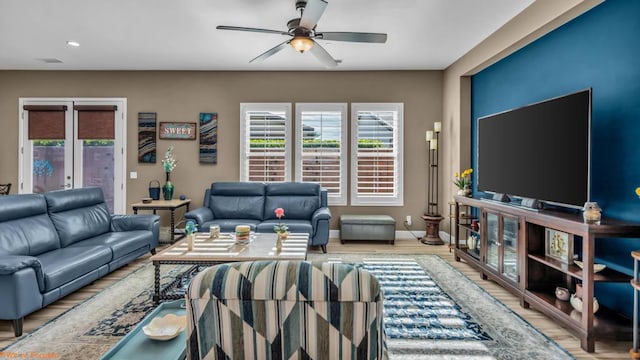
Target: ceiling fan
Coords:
[[303, 34]]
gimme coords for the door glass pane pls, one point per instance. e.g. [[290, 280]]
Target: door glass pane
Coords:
[[48, 165], [492, 240], [510, 248], [98, 166]]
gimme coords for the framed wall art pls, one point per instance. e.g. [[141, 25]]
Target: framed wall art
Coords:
[[208, 138], [147, 137], [177, 131], [559, 245]]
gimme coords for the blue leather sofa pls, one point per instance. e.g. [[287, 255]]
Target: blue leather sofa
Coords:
[[55, 243], [232, 203]]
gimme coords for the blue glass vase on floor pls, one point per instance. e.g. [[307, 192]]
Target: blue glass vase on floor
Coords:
[[167, 189]]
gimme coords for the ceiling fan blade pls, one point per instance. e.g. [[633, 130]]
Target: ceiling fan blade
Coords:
[[240, 28], [274, 50], [322, 55], [312, 13], [353, 37]]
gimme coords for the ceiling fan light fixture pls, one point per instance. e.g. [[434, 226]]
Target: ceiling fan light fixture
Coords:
[[301, 43]]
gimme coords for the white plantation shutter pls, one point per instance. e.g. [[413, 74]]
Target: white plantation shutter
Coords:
[[265, 142], [321, 147], [376, 162]]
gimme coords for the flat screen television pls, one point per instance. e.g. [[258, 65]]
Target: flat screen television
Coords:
[[540, 151]]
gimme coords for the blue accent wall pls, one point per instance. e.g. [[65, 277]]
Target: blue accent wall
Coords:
[[600, 50]]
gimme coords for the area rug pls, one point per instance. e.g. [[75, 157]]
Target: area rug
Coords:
[[415, 307], [474, 326], [458, 319]]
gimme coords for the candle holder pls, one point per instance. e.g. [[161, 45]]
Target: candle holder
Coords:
[[591, 213]]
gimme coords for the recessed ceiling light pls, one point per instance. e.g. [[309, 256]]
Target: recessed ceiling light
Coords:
[[73, 43]]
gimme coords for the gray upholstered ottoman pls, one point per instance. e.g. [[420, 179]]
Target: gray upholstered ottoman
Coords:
[[367, 227]]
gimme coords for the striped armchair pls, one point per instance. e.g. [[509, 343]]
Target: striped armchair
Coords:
[[285, 310]]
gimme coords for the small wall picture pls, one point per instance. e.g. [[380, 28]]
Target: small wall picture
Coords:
[[177, 131], [208, 138], [559, 245], [147, 137]]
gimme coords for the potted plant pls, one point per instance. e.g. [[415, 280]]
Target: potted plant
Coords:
[[463, 182], [282, 230]]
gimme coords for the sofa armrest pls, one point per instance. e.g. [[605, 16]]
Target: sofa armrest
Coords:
[[134, 222], [199, 215], [10, 264], [322, 213]]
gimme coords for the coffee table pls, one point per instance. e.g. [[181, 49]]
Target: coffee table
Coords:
[[207, 252]]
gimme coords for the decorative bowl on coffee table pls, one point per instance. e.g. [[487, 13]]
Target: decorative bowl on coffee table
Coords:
[[166, 327]]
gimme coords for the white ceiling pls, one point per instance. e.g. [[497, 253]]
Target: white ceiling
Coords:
[[181, 34]]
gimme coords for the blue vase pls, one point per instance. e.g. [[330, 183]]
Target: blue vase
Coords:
[[167, 189]]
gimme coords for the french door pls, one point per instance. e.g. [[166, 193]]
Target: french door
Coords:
[[73, 143]]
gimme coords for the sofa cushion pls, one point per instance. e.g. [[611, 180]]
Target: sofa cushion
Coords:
[[25, 227], [295, 226], [299, 200], [237, 200], [66, 264], [78, 214], [120, 243]]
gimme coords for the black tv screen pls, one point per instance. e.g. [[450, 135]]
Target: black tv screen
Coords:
[[539, 151]]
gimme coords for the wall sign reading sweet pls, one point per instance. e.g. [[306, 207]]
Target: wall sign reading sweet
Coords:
[[177, 131]]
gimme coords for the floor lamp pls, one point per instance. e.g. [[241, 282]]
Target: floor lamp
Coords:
[[432, 217]]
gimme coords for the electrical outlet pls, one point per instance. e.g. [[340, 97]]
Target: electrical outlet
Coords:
[[408, 221]]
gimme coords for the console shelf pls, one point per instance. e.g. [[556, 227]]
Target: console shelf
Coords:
[[606, 275], [511, 252]]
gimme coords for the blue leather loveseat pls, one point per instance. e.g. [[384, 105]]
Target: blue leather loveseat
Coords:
[[55, 243], [232, 203]]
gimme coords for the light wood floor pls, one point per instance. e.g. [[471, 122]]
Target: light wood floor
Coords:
[[604, 350]]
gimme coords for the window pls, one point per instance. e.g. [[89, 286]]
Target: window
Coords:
[[321, 147], [376, 154], [265, 136]]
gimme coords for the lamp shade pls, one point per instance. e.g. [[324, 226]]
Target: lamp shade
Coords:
[[429, 135], [301, 43]]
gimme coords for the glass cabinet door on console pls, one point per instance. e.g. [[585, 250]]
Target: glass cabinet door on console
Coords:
[[510, 248], [492, 236], [501, 234]]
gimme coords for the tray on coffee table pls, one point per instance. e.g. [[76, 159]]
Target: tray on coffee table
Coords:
[[136, 345]]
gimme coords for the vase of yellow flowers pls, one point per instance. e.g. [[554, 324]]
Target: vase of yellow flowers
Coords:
[[168, 164], [463, 182]]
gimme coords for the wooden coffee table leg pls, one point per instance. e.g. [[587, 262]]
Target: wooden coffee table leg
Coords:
[[156, 283]]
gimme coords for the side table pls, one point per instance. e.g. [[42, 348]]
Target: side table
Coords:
[[170, 205]]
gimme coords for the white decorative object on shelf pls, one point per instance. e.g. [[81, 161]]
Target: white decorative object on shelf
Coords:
[[596, 267], [562, 293], [576, 302], [472, 242], [166, 327]]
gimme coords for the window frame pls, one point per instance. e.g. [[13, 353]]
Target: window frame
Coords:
[[341, 198], [244, 140], [398, 199]]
